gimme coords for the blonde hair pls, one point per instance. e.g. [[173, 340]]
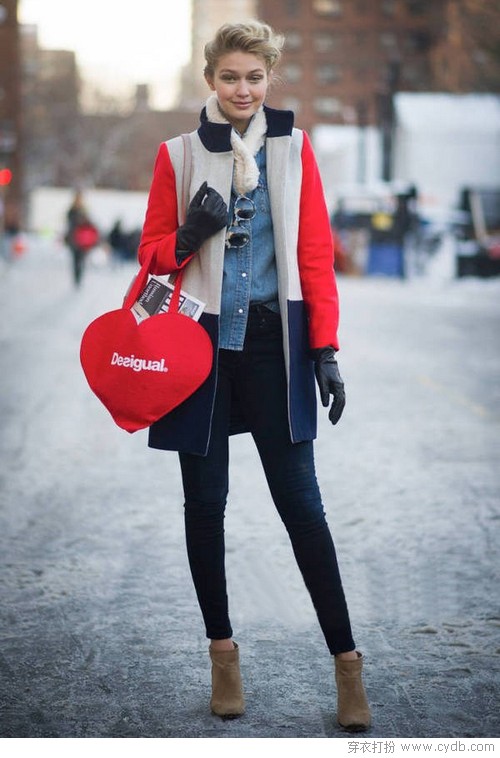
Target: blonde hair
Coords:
[[253, 37]]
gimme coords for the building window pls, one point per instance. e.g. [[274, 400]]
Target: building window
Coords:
[[327, 7], [292, 7], [480, 57], [389, 7], [416, 7], [361, 70], [292, 72], [414, 74], [388, 40], [324, 42], [327, 73], [327, 106], [293, 40], [417, 42]]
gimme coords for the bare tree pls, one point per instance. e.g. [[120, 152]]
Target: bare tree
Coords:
[[466, 57]]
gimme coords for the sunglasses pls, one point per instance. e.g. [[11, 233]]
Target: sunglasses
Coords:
[[244, 210]]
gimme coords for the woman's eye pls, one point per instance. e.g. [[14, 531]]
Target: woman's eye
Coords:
[[251, 79]]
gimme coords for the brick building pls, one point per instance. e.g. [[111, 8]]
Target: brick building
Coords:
[[119, 150], [51, 111], [10, 111], [342, 62], [344, 58], [65, 146]]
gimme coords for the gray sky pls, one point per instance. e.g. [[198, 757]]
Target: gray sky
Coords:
[[117, 44]]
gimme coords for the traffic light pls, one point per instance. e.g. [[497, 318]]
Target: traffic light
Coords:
[[5, 176]]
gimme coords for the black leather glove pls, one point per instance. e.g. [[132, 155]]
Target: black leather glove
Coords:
[[329, 381], [206, 215]]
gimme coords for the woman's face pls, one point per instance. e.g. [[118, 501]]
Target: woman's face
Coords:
[[240, 81]]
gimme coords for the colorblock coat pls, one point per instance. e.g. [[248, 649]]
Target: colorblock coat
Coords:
[[304, 257]]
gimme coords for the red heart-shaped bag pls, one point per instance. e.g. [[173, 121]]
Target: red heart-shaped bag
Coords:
[[142, 371]]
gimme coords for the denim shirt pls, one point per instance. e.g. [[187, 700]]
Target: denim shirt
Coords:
[[250, 274]]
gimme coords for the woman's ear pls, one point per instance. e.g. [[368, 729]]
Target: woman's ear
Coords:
[[210, 82]]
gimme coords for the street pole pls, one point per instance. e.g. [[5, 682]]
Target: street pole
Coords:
[[361, 113]]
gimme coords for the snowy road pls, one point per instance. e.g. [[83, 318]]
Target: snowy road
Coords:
[[100, 634]]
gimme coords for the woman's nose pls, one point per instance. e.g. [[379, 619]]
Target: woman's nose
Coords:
[[242, 87]]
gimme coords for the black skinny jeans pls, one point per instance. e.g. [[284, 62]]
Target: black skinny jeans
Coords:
[[257, 376]]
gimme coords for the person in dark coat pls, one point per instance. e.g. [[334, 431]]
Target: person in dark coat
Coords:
[[81, 235]]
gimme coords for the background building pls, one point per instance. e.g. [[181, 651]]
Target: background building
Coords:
[[344, 59], [71, 144], [344, 63], [10, 114], [51, 108], [206, 17]]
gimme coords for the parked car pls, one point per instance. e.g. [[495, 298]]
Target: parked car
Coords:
[[478, 233]]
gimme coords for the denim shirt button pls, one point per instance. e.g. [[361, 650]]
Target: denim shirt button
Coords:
[[240, 310]]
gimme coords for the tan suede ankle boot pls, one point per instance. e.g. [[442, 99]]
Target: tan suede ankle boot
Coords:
[[227, 698], [353, 711]]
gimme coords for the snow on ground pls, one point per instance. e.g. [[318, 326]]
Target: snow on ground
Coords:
[[102, 636]]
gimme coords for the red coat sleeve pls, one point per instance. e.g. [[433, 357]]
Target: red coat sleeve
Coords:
[[316, 255], [160, 224]]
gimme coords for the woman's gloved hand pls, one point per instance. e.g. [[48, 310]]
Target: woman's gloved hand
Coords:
[[206, 215], [329, 381]]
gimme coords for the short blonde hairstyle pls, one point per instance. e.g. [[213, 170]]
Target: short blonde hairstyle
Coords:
[[253, 37]]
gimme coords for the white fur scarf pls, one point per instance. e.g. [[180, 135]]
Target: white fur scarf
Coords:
[[246, 171]]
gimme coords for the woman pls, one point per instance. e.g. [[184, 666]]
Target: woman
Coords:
[[256, 248]]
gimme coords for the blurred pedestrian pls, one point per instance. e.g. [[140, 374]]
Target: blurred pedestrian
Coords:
[[118, 242], [133, 239], [81, 235], [256, 247]]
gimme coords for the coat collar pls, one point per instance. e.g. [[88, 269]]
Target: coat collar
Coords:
[[217, 137]]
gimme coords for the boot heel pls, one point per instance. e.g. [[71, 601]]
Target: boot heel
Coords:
[[227, 699]]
